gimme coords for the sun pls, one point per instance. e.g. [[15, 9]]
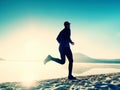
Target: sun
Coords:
[[30, 40], [31, 48]]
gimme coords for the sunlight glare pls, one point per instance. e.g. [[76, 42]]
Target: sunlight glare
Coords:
[[29, 75], [28, 83]]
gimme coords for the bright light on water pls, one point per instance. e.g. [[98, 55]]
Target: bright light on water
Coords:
[[30, 71]]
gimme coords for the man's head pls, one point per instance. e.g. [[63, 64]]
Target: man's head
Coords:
[[67, 24]]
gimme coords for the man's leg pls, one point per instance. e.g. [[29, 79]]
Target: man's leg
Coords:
[[70, 59], [60, 61]]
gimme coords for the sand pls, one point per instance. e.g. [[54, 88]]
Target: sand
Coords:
[[109, 81]]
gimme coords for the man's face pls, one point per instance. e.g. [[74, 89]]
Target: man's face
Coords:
[[67, 25]]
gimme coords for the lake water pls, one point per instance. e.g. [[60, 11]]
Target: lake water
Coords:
[[29, 70]]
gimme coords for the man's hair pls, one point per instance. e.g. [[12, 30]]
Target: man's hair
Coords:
[[66, 23]]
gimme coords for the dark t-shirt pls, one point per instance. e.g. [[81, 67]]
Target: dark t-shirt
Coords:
[[64, 38]]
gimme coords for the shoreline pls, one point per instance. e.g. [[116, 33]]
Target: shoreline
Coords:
[[89, 82]]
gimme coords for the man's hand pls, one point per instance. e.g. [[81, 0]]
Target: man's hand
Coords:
[[72, 43]]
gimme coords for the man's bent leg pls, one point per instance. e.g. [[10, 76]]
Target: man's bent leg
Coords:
[[62, 55], [60, 61]]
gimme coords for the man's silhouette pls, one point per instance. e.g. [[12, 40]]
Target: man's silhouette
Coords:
[[64, 41]]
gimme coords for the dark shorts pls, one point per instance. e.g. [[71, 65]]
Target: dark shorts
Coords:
[[66, 52]]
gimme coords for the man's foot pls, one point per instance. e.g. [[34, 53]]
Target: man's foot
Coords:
[[48, 58], [71, 77]]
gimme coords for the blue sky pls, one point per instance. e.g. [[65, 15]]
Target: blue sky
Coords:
[[94, 23], [75, 10]]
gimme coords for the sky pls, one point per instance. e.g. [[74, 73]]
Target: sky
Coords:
[[28, 28]]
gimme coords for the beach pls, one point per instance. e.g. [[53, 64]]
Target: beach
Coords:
[[109, 81]]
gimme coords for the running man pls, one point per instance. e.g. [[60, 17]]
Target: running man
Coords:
[[64, 41]]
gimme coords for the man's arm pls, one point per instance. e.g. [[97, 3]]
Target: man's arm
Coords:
[[71, 42], [70, 38]]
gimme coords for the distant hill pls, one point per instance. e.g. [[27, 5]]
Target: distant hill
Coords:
[[81, 58]]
